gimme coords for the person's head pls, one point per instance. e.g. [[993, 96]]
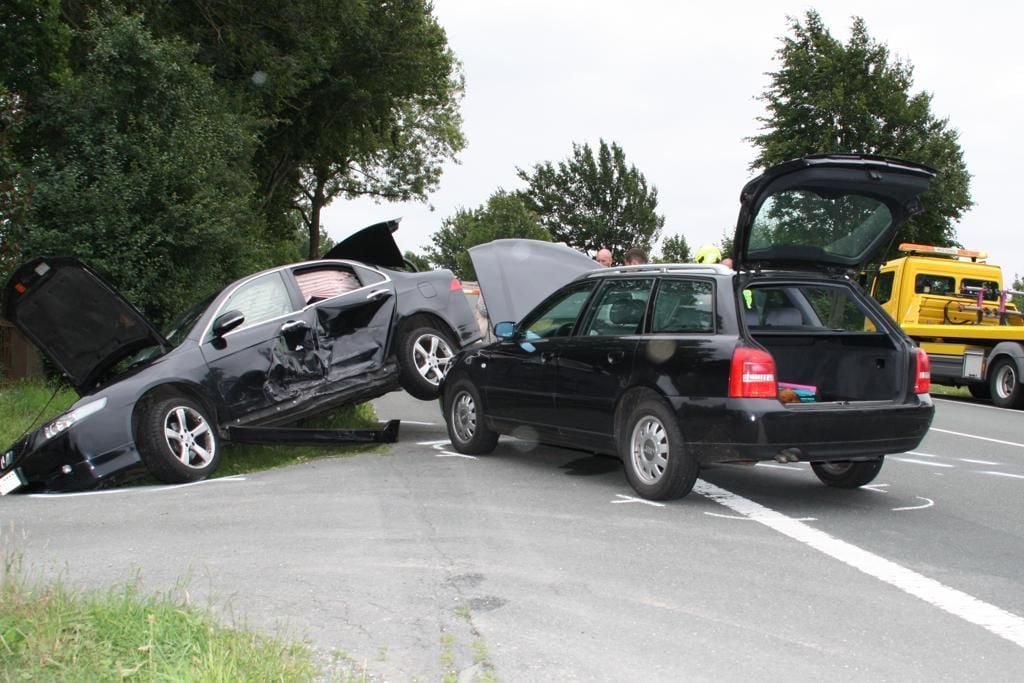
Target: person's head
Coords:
[[708, 253], [635, 257], [604, 257]]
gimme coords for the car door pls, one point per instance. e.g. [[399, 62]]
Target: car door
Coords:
[[596, 364], [519, 383], [352, 315], [268, 359]]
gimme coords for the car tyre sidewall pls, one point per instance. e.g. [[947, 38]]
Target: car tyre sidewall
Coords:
[[410, 377], [459, 398], [680, 468], [1005, 384], [848, 475], [162, 415]]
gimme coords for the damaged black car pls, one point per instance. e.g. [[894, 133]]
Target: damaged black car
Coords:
[[269, 349]]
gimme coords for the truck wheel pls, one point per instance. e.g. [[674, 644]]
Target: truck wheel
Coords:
[[1004, 382], [848, 475], [658, 464]]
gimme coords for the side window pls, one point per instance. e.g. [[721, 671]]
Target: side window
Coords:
[[557, 316], [883, 287], [317, 284], [619, 309], [972, 287], [261, 299], [934, 284], [684, 306]]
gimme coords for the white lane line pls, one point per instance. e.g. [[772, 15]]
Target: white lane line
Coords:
[[414, 422], [922, 455], [923, 462], [1003, 474], [994, 619], [928, 502], [877, 488], [631, 499], [780, 467], [749, 519], [137, 489], [432, 443], [449, 454], [980, 438], [979, 462]]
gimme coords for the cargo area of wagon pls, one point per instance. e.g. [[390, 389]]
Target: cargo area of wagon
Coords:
[[827, 342]]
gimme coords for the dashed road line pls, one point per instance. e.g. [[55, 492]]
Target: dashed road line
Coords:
[[979, 462], [980, 438], [993, 619], [631, 499], [923, 462], [1003, 474]]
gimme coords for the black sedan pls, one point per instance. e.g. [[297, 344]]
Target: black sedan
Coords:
[[269, 349], [676, 367]]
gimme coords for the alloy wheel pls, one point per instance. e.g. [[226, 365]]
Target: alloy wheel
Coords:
[[649, 449], [189, 437]]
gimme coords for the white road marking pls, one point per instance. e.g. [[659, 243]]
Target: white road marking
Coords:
[[749, 519], [981, 438], [928, 502], [780, 467], [432, 443], [137, 489], [922, 462], [979, 462], [631, 499], [414, 422], [449, 454], [969, 404], [875, 487], [1003, 474], [923, 455], [993, 619]]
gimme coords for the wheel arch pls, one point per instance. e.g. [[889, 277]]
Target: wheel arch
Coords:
[[1006, 349], [167, 390], [630, 399]]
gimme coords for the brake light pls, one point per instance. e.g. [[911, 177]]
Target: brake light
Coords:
[[455, 285], [922, 373], [752, 374]]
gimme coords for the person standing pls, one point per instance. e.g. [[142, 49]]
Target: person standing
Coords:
[[604, 257], [635, 257]]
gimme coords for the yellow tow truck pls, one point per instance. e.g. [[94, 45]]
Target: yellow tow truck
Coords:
[[954, 305]]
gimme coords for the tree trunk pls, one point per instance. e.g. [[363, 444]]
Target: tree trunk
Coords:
[[314, 215]]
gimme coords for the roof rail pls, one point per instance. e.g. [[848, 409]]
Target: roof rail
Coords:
[[646, 268]]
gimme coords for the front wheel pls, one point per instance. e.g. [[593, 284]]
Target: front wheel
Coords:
[[464, 417], [848, 475], [1004, 383], [177, 442], [657, 462], [425, 354]]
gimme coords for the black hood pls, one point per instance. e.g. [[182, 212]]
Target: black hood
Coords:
[[76, 319], [374, 245]]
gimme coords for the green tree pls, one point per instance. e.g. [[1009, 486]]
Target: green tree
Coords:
[[138, 164], [674, 250], [853, 98], [592, 202], [505, 215], [1018, 286], [360, 98], [420, 262]]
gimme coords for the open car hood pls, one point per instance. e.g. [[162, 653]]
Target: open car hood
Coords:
[[374, 245], [76, 319], [826, 211], [517, 274]]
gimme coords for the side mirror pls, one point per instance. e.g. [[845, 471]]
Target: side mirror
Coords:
[[505, 330], [226, 322]]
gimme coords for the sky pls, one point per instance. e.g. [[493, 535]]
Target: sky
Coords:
[[675, 84]]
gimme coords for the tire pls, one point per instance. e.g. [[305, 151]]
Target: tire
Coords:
[[464, 418], [848, 475], [658, 464], [425, 354], [177, 442], [1004, 384], [979, 390]]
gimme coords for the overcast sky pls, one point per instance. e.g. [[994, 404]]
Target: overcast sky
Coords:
[[675, 85]]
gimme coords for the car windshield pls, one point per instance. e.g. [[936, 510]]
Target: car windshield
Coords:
[[179, 328]]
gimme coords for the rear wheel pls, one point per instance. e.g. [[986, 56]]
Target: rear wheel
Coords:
[[424, 356], [1004, 383], [658, 465], [177, 441], [464, 417], [848, 475], [979, 390]]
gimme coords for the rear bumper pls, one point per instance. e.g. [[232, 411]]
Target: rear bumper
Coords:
[[764, 429]]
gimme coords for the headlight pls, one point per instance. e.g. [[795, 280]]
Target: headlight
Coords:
[[64, 422]]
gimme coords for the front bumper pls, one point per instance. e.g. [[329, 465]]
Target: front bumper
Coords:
[[764, 429], [61, 465]]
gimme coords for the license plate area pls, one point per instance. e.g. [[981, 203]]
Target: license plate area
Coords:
[[12, 481]]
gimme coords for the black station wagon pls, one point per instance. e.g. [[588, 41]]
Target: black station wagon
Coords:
[[674, 367]]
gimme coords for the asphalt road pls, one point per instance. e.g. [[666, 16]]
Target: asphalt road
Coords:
[[539, 564]]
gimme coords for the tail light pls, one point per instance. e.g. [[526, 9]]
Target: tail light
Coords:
[[922, 373], [455, 285], [752, 374]]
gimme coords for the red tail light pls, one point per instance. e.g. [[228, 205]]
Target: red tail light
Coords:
[[752, 374], [922, 373], [455, 286]]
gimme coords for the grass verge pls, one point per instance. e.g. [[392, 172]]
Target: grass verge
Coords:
[[50, 632]]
